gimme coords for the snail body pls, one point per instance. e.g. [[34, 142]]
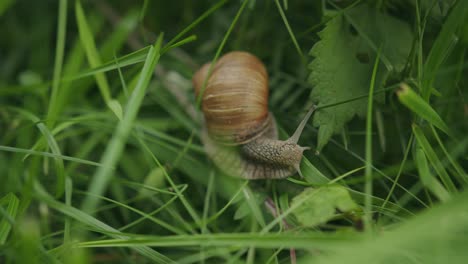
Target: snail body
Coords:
[[239, 133]]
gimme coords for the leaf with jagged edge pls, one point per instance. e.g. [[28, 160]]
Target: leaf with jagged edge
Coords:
[[343, 61], [317, 206]]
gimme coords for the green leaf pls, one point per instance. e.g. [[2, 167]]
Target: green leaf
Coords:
[[316, 206], [343, 63], [420, 107]]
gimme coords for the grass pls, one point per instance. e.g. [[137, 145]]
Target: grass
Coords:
[[101, 160]]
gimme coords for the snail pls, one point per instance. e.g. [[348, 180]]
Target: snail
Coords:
[[239, 133]]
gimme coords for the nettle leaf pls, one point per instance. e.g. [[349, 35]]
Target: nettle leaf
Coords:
[[317, 206], [343, 61]]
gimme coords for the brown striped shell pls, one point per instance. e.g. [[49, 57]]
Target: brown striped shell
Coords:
[[239, 134], [235, 98]]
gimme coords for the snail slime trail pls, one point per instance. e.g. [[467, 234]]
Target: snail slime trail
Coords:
[[239, 133]]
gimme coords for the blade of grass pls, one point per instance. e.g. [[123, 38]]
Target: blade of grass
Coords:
[[312, 174], [291, 33], [144, 7], [94, 59], [460, 173], [400, 170], [119, 35], [177, 190], [116, 145], [59, 50], [231, 201], [41, 143], [72, 65], [254, 206], [193, 24], [206, 203], [368, 164], [435, 161], [8, 215], [122, 79], [442, 46], [143, 214], [182, 42], [316, 240], [52, 143], [50, 155], [159, 209], [68, 201], [380, 173], [420, 107], [125, 60], [82, 217], [426, 176]]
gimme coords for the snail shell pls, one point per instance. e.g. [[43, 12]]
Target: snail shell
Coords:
[[235, 100], [239, 133]]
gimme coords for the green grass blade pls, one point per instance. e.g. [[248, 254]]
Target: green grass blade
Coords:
[[460, 173], [443, 45], [415, 103], [427, 178], [118, 36], [59, 50], [144, 215], [435, 161], [72, 65], [68, 202], [143, 10], [126, 60], [400, 170], [95, 224], [182, 42], [190, 209], [94, 59], [368, 168], [52, 143], [254, 206], [206, 204], [48, 154], [197, 21], [316, 240], [8, 216], [312, 174], [116, 145], [291, 33]]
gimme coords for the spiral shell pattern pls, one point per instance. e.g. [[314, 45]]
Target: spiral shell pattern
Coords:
[[235, 99]]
